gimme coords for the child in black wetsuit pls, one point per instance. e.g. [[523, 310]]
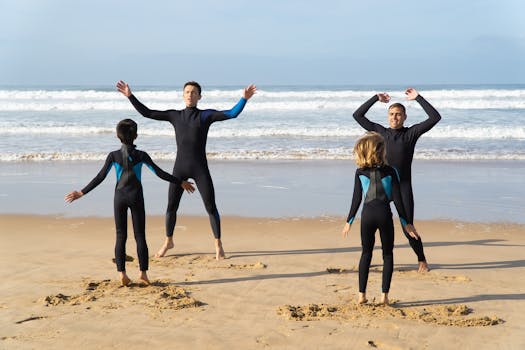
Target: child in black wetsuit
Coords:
[[128, 163], [380, 185]]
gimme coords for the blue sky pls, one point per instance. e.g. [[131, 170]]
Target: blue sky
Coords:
[[285, 42]]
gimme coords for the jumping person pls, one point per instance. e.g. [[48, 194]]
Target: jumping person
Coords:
[[191, 131], [128, 163], [379, 184], [400, 145]]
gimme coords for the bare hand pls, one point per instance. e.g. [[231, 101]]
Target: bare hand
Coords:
[[123, 87], [346, 230], [411, 94], [383, 97], [249, 91], [188, 186], [70, 197], [412, 231]]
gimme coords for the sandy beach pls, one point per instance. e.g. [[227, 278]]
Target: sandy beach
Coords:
[[286, 284]]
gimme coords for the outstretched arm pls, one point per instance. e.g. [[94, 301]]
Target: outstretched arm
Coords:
[[359, 114], [433, 115], [125, 90], [72, 196], [188, 186]]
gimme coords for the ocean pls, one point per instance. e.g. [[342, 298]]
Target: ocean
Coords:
[[278, 123], [289, 154]]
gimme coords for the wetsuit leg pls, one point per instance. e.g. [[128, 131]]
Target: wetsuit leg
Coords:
[[408, 202], [368, 230], [138, 216], [205, 185], [120, 209], [174, 196], [386, 232]]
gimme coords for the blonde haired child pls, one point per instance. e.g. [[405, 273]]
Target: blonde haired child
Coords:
[[379, 184]]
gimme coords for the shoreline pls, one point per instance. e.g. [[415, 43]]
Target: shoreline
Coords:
[[471, 191]]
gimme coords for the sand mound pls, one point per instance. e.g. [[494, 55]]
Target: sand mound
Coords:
[[446, 315], [159, 295]]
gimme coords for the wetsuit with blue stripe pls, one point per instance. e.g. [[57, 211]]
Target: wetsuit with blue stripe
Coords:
[[128, 163], [400, 146], [380, 186], [191, 132]]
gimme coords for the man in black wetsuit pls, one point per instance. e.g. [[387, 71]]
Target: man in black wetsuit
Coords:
[[191, 131], [400, 145]]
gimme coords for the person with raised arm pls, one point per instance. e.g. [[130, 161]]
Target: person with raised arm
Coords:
[[191, 126], [400, 145]]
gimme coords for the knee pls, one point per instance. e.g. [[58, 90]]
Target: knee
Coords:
[[211, 209]]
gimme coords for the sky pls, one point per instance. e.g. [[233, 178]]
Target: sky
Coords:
[[270, 42]]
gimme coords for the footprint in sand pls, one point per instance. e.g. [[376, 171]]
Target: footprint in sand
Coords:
[[402, 273], [204, 261]]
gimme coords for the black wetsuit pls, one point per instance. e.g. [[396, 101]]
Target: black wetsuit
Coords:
[[380, 186], [191, 132], [128, 163], [400, 146]]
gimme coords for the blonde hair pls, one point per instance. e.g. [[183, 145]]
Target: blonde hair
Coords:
[[370, 151]]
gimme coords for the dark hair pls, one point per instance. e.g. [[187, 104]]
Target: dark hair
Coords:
[[193, 83], [127, 131], [398, 105]]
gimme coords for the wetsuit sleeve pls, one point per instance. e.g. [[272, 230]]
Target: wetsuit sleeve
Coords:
[[159, 172], [146, 112], [433, 117], [210, 116], [100, 176], [359, 116], [356, 199], [396, 196]]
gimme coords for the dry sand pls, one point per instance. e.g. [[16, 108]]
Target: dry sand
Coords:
[[287, 283]]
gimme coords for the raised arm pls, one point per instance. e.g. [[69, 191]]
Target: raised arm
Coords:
[[124, 88], [214, 116], [359, 114], [433, 115]]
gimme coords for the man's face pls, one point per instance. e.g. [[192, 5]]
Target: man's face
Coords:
[[396, 117], [191, 96]]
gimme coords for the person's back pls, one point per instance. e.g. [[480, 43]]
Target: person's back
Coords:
[[378, 183], [128, 163]]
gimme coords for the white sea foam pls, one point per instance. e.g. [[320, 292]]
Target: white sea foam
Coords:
[[278, 123], [277, 154], [442, 132], [86, 100]]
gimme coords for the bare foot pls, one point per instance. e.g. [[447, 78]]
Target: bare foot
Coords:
[[362, 298], [423, 267], [124, 279], [384, 299], [143, 278], [168, 244], [219, 252]]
